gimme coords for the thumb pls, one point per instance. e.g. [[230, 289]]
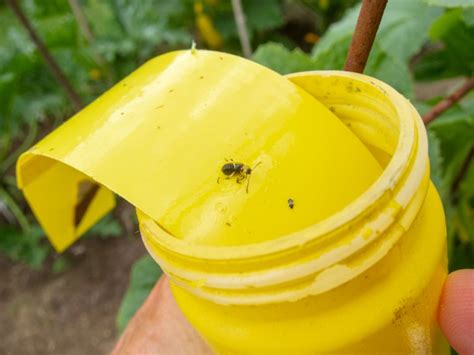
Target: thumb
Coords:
[[456, 312]]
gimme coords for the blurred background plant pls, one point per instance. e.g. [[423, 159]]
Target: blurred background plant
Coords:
[[424, 48]]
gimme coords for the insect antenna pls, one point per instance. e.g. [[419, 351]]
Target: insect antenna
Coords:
[[256, 165], [248, 179]]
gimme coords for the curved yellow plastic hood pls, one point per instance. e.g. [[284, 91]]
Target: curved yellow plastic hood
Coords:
[[160, 137]]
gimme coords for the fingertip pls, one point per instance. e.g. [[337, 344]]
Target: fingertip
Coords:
[[456, 312]]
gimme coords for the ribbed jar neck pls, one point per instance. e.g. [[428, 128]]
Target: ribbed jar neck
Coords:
[[333, 251]]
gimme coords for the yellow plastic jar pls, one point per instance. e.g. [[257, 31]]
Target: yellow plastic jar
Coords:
[[336, 246], [365, 280]]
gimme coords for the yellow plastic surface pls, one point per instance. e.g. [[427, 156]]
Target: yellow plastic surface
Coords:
[[355, 267], [389, 309], [160, 137]]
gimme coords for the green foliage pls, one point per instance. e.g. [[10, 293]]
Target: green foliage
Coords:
[[436, 164], [107, 227], [452, 160], [144, 275], [131, 31], [389, 60], [451, 52], [24, 246], [261, 17], [60, 265], [451, 3], [468, 16], [127, 34], [395, 43], [275, 56], [455, 131], [331, 51], [328, 11]]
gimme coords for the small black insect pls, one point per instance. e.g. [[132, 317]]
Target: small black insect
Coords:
[[291, 203], [238, 170]]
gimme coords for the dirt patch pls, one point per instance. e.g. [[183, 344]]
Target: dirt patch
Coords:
[[69, 313]]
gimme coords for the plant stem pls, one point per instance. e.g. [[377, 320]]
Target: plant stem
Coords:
[[367, 25], [48, 58], [14, 209], [449, 101], [119, 17], [5, 145], [27, 142], [10, 180], [89, 36], [241, 28], [81, 20]]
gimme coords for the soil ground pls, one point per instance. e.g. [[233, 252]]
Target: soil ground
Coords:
[[72, 312]]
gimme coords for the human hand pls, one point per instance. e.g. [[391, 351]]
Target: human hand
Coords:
[[456, 311], [159, 327]]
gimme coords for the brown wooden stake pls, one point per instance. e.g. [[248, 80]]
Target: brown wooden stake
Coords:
[[239, 17], [449, 101], [48, 58], [367, 25]]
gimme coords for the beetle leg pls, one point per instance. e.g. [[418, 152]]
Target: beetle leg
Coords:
[[241, 178]]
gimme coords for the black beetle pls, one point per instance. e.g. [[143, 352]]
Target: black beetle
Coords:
[[239, 170]]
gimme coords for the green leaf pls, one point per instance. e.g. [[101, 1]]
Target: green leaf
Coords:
[[393, 47], [444, 24], [108, 26], [466, 202], [437, 177], [107, 227], [462, 256], [145, 273], [275, 56], [395, 34], [451, 140], [436, 161], [451, 3], [331, 50], [263, 15], [58, 30], [453, 55], [468, 16], [455, 131], [24, 246], [402, 19], [391, 70]]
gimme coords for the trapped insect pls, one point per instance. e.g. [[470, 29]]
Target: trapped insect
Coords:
[[291, 203], [239, 170]]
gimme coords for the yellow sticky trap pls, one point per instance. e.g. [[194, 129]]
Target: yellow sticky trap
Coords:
[[52, 190], [160, 137]]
